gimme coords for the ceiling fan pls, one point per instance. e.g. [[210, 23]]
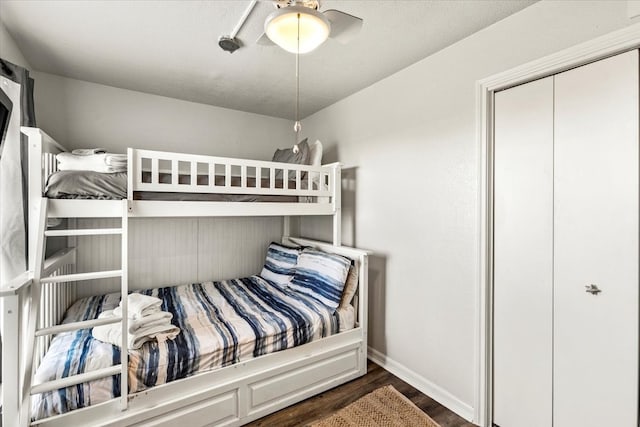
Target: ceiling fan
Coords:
[[298, 26]]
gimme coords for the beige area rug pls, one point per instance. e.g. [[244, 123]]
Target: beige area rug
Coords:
[[385, 407]]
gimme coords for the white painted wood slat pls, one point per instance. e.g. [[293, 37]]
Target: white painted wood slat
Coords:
[[211, 172], [154, 171], [75, 379], [83, 232], [77, 208], [66, 327], [157, 209], [193, 181], [174, 172], [243, 176], [124, 303], [82, 276]]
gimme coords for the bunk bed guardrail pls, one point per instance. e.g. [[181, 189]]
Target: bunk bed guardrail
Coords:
[[224, 175], [311, 190]]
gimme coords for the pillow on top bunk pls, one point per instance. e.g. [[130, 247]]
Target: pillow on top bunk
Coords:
[[315, 153], [315, 159], [279, 266], [321, 275], [286, 155]]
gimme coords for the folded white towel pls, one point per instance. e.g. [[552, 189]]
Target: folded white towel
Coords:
[[157, 319], [135, 316], [154, 327], [88, 151], [137, 323], [116, 160], [92, 162], [140, 305]]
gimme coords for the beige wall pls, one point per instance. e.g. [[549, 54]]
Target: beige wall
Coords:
[[412, 141]]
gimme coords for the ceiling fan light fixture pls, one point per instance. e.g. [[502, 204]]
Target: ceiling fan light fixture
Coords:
[[282, 28]]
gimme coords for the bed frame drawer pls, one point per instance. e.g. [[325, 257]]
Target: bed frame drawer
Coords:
[[218, 410], [307, 380]]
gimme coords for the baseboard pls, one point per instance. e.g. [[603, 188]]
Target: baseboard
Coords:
[[432, 390]]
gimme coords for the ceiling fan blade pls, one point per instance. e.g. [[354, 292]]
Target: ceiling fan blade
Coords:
[[264, 40], [344, 27]]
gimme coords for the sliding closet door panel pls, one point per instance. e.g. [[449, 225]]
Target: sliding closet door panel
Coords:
[[523, 243], [596, 244]]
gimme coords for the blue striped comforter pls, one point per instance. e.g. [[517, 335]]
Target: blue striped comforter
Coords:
[[221, 323]]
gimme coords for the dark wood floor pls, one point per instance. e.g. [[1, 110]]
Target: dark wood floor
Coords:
[[324, 404]]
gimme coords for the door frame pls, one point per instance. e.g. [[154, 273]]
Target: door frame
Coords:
[[610, 44]]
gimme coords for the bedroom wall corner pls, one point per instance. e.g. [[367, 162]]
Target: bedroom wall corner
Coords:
[[9, 50]]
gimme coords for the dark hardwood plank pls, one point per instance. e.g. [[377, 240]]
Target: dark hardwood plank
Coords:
[[325, 404]]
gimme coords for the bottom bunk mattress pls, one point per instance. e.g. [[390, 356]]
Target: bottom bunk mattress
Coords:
[[221, 323]]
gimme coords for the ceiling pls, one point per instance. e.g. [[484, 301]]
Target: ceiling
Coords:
[[170, 48]]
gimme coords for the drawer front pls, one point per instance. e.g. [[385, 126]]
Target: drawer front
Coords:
[[219, 410], [302, 382]]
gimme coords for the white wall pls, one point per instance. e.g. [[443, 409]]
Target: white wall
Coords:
[[9, 50], [83, 114], [412, 140]]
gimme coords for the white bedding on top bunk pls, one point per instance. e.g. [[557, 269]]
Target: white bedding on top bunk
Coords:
[[100, 162], [221, 323]]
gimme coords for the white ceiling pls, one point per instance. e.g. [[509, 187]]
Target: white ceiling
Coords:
[[170, 48]]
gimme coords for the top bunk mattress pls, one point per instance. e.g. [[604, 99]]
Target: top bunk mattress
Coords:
[[113, 186], [221, 323]]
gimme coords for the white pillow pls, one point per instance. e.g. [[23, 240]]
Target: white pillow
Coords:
[[315, 153], [315, 159]]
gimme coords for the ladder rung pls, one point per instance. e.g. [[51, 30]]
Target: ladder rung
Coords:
[[82, 276], [76, 379], [83, 232], [86, 324]]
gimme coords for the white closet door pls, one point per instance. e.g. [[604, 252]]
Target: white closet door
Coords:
[[523, 243], [596, 242]]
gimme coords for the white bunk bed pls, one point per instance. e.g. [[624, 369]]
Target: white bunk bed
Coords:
[[33, 304]]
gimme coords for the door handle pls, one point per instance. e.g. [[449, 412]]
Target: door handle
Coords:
[[592, 289]]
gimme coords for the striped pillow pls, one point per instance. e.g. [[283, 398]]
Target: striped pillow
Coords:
[[280, 264], [321, 276]]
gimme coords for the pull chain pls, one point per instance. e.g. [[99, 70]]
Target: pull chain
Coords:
[[297, 126]]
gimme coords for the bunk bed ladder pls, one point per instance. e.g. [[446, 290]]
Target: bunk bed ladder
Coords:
[[33, 332]]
